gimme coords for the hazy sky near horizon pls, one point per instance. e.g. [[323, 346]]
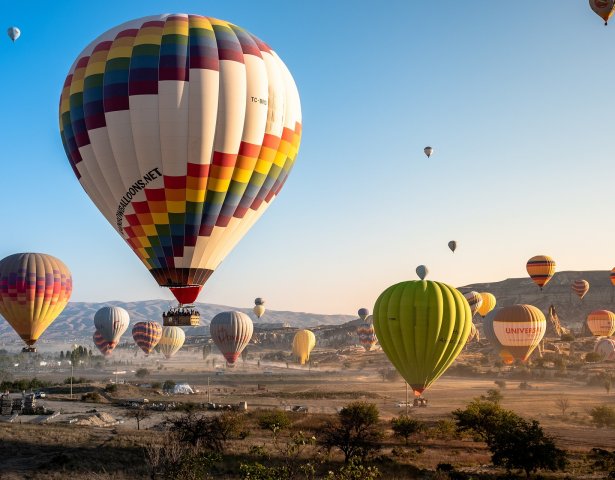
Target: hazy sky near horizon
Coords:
[[515, 97]]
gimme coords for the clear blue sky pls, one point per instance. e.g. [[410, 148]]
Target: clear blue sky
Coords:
[[516, 98]]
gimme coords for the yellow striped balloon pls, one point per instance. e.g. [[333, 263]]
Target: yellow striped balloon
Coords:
[[34, 289], [171, 341], [474, 300], [613, 276], [580, 288], [303, 343], [541, 269], [519, 328], [487, 305], [601, 323]]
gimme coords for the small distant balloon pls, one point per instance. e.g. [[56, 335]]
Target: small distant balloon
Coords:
[[363, 313], [541, 268], [580, 287], [428, 151], [259, 307], [475, 300], [422, 271], [613, 276], [14, 33], [452, 245]]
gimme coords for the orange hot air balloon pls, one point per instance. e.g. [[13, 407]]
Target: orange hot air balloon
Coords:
[[506, 357], [580, 287], [613, 276], [519, 328], [601, 323], [34, 289], [541, 269]]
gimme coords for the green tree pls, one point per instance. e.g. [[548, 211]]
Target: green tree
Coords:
[[209, 433], [404, 426], [142, 373], [274, 421], [494, 395], [603, 416], [356, 431]]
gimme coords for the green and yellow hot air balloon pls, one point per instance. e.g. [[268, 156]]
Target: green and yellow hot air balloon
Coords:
[[422, 327]]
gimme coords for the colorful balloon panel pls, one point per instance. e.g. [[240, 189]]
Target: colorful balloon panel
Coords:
[[487, 305], [259, 310], [613, 276], [171, 340], [101, 344], [182, 129], [111, 322], [601, 323], [304, 342], [231, 332], [580, 288], [605, 347], [367, 334], [422, 326], [475, 300], [147, 335], [541, 269], [34, 289], [519, 329]]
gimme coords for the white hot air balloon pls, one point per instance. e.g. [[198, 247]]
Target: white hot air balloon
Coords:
[[428, 151], [14, 33], [231, 332], [111, 322], [171, 341]]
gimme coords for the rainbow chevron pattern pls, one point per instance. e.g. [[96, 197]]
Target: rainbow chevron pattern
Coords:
[[182, 129]]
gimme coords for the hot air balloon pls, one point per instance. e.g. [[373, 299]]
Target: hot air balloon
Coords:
[[363, 313], [541, 269], [475, 300], [487, 305], [103, 346], [422, 271], [171, 341], [111, 322], [428, 151], [613, 276], [147, 335], [231, 332], [182, 129], [452, 245], [601, 323], [34, 289], [474, 335], [580, 287], [506, 357], [206, 351], [519, 328], [422, 326], [603, 8], [367, 334], [259, 307], [495, 344], [303, 343], [14, 33], [605, 347]]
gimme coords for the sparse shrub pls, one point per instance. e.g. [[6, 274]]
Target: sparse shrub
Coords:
[[142, 372], [111, 388], [210, 433], [356, 432], [91, 397], [354, 470], [494, 395], [274, 421], [563, 403], [173, 460], [592, 357], [168, 385], [525, 386], [567, 337], [603, 416], [156, 385], [405, 426], [501, 384]]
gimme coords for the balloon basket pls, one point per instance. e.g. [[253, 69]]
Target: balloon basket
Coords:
[[28, 350], [181, 317]]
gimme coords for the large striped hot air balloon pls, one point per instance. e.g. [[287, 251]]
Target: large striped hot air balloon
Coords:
[[603, 8], [519, 328], [231, 332], [605, 347], [171, 340], [494, 343], [422, 326], [475, 300], [111, 322], [147, 335], [601, 323], [487, 305], [580, 288], [103, 345], [367, 334], [304, 342], [541, 269], [34, 289], [182, 129]]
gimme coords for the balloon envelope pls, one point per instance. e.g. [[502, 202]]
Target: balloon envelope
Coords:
[[428, 151], [147, 335], [603, 8], [14, 33], [422, 271], [601, 323], [259, 301], [519, 329], [363, 313], [487, 305], [111, 322], [422, 326], [605, 347], [452, 245], [541, 269], [231, 332], [475, 300], [103, 346], [613, 276], [259, 310], [171, 340], [303, 344], [580, 288], [182, 129], [34, 289], [367, 334]]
